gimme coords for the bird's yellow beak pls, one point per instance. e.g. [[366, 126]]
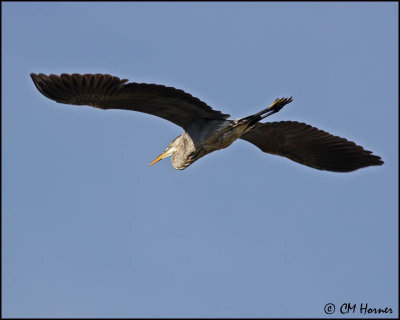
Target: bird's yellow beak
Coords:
[[168, 152]]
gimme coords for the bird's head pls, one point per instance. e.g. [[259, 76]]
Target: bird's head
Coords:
[[169, 151]]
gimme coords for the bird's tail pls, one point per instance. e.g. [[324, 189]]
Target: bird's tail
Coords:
[[277, 105]]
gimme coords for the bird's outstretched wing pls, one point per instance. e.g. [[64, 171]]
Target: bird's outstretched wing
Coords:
[[310, 146], [107, 92]]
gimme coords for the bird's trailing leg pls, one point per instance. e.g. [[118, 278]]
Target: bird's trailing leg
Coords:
[[277, 105]]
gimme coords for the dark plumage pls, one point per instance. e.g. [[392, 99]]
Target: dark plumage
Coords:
[[307, 145], [107, 92], [207, 130]]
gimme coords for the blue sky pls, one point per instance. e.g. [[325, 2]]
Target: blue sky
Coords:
[[89, 230]]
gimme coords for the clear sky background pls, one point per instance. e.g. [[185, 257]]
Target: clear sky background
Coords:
[[89, 230]]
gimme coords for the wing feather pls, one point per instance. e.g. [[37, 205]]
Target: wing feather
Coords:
[[107, 92], [310, 146]]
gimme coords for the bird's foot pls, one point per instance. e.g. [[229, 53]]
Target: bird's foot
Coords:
[[276, 106], [279, 103]]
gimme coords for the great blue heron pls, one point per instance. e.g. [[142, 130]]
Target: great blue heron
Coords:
[[207, 130]]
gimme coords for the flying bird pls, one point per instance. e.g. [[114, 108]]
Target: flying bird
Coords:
[[207, 130]]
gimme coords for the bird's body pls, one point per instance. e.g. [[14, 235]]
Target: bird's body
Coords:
[[207, 130], [202, 138]]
